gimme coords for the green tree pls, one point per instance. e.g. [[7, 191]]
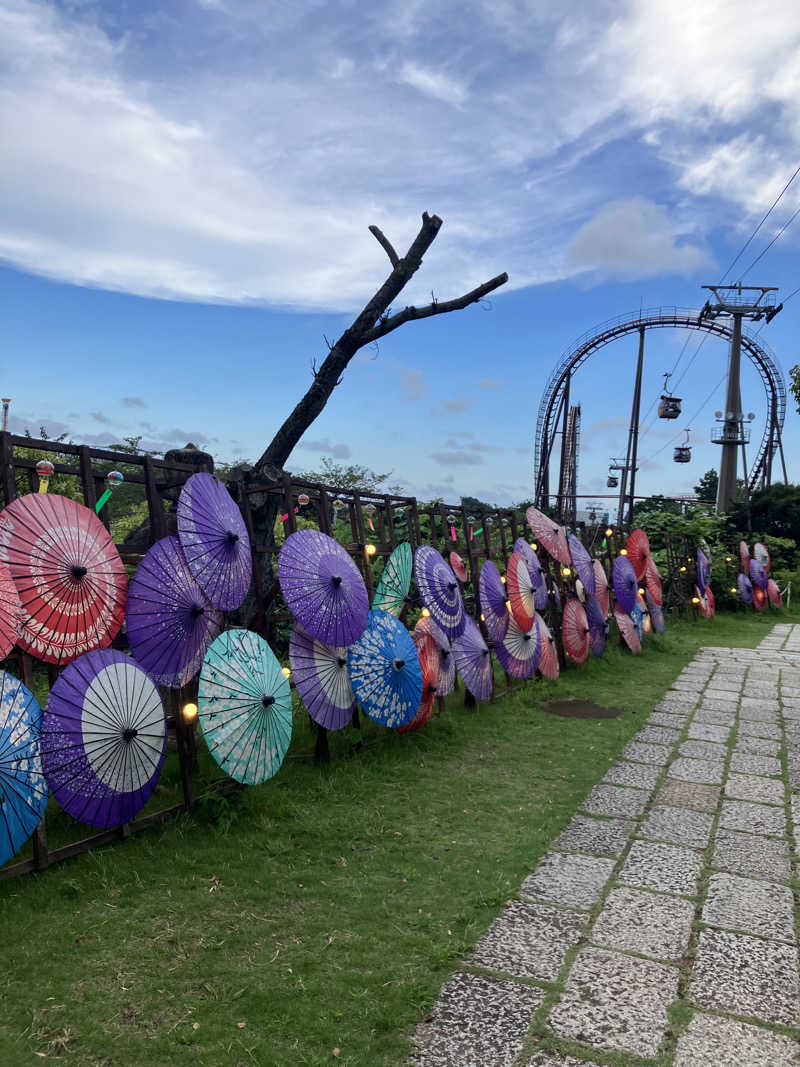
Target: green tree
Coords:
[[657, 505], [350, 477], [774, 511], [794, 385], [706, 488]]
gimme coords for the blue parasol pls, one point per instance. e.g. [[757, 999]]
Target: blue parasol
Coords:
[[23, 792], [385, 671]]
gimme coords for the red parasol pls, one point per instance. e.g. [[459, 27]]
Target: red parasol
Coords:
[[774, 593], [627, 630], [601, 586], [759, 598], [703, 602], [429, 661], [652, 581], [712, 602], [520, 591], [638, 547], [68, 573], [10, 612], [744, 556], [550, 535], [548, 660], [459, 567], [575, 631]]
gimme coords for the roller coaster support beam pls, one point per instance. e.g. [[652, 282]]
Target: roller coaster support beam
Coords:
[[561, 502], [726, 488], [625, 496]]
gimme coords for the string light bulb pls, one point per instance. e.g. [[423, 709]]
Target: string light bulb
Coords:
[[623, 551], [609, 532], [565, 572], [189, 712], [734, 590], [695, 599], [503, 579], [369, 550], [534, 546], [286, 672], [425, 613], [729, 559], [483, 617], [683, 570]]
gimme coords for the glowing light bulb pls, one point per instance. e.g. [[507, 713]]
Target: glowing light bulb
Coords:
[[683, 570], [286, 672], [483, 617], [695, 599], [729, 559], [534, 546], [503, 579], [641, 592], [734, 590], [369, 550], [189, 712], [508, 605], [623, 551], [565, 572], [609, 532], [425, 613]]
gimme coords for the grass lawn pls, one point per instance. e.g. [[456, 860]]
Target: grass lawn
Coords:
[[324, 909]]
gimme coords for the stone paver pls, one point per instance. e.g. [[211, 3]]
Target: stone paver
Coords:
[[568, 879], [476, 1021], [648, 923], [700, 731], [705, 771], [753, 787], [639, 775], [673, 720], [746, 975], [678, 826], [664, 868], [760, 729], [529, 940], [615, 800], [752, 855], [715, 718], [703, 750], [752, 818], [606, 837], [711, 1041], [543, 1058], [689, 795], [644, 753], [757, 746], [761, 908], [613, 1001], [660, 735], [746, 763]]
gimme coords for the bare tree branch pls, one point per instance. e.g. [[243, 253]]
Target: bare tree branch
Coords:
[[410, 313], [373, 321], [385, 244]]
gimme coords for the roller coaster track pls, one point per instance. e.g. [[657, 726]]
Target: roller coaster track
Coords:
[[759, 354]]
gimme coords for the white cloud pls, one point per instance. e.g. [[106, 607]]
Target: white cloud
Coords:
[[325, 446], [633, 239], [413, 384], [456, 458], [433, 83]]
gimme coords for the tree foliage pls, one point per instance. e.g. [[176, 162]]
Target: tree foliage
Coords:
[[706, 488], [351, 476], [794, 385]]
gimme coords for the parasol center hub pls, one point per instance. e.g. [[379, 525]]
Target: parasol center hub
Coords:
[[129, 733], [197, 610], [341, 661], [452, 586], [231, 537], [78, 573], [526, 637], [267, 701], [445, 653], [399, 664], [336, 579]]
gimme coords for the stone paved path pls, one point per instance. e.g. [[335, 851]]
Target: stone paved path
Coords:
[[666, 898]]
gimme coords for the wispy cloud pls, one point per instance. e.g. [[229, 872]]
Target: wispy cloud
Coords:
[[457, 458], [433, 83], [325, 446], [100, 416], [490, 383], [133, 402], [413, 385]]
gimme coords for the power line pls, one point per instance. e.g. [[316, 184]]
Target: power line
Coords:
[[747, 243], [764, 251], [691, 420]]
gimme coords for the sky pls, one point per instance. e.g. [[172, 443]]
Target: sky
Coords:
[[186, 188]]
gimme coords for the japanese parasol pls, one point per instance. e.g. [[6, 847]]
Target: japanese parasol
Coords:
[[761, 553], [627, 630], [575, 631], [638, 546], [104, 737], [548, 658], [395, 580], [535, 571], [474, 661], [23, 790], [582, 562], [68, 574], [625, 587], [447, 663], [744, 556], [519, 651], [459, 567], [169, 620], [745, 589], [428, 655], [321, 679], [703, 570], [656, 612], [601, 586], [774, 594], [549, 534], [323, 587], [703, 604], [245, 706], [711, 600], [759, 598], [652, 581], [385, 671], [10, 612], [438, 590], [637, 617], [758, 576], [214, 540], [596, 621], [520, 591], [494, 607]]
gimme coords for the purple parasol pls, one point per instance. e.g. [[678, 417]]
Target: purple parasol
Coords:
[[583, 564], [745, 589], [656, 612], [474, 661], [535, 571], [447, 664], [103, 738], [519, 652], [597, 625], [214, 541], [170, 622], [439, 590], [323, 588], [322, 679], [494, 608], [703, 570], [623, 578], [758, 576]]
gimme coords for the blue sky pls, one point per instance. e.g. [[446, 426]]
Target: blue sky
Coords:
[[187, 185]]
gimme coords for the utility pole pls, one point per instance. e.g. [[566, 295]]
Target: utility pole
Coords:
[[739, 302]]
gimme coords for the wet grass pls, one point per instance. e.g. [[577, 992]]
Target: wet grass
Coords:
[[323, 910]]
